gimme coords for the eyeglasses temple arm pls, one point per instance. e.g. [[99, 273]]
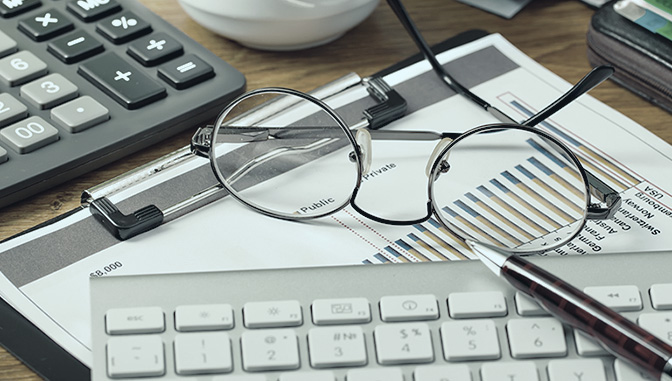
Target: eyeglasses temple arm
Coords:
[[604, 193], [588, 82], [415, 34]]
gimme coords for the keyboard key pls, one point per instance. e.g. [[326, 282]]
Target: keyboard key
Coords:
[[203, 352], [465, 305], [276, 349], [135, 356], [504, 371], [7, 44], [526, 306], [587, 346], [659, 324], [341, 311], [470, 340], [322, 375], [121, 81], [536, 337], [121, 321], [29, 134], [380, 374], [20, 68], [123, 27], [204, 317], [155, 49], [80, 114], [91, 10], [582, 369], [625, 372], [3, 155], [618, 298], [336, 346], [45, 25], [661, 296], [49, 91], [409, 307], [12, 8], [456, 372], [11, 109], [251, 377], [284, 313], [408, 343], [75, 46], [185, 72]]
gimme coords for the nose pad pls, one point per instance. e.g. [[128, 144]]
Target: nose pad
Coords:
[[363, 138], [434, 156]]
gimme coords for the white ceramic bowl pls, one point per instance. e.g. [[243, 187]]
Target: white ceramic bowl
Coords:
[[279, 24]]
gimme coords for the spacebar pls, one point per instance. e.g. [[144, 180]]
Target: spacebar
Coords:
[[122, 81]]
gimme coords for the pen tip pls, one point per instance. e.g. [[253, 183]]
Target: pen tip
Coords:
[[493, 257]]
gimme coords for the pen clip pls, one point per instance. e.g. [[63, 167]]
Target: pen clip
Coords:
[[121, 225]]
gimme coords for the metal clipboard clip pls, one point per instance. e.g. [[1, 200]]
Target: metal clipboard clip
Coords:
[[390, 106]]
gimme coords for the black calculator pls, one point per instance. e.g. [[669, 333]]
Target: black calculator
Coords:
[[86, 82]]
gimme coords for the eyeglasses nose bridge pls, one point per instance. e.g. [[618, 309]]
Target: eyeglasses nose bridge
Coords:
[[435, 154], [363, 139]]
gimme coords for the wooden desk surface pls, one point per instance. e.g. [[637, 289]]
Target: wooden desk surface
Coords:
[[550, 31]]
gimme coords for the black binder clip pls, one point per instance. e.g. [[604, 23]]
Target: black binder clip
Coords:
[[125, 226]]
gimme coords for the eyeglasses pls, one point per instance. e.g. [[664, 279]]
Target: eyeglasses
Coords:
[[290, 155]]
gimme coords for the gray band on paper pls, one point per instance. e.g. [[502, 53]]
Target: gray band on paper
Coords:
[[48, 254]]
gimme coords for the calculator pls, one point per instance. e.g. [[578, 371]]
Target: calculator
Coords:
[[86, 82]]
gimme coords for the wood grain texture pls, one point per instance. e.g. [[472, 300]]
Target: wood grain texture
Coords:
[[553, 32]]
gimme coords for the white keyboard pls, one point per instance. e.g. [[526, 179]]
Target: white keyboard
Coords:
[[441, 321]]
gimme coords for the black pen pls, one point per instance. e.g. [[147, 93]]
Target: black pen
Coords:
[[617, 334]]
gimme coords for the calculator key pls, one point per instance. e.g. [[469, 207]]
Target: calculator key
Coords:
[[155, 49], [269, 350], [586, 369], [123, 27], [80, 114], [408, 343], [121, 321], [283, 313], [536, 337], [91, 10], [3, 155], [470, 340], [49, 91], [336, 346], [7, 44], [409, 307], [203, 317], [135, 356], [75, 46], [463, 305], [185, 72], [20, 68], [203, 352], [661, 296], [29, 134], [45, 25], [11, 109], [518, 371], [11, 8], [121, 81], [618, 298], [453, 372], [341, 311]]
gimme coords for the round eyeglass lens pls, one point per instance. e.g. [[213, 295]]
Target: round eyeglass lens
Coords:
[[285, 154], [511, 187]]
